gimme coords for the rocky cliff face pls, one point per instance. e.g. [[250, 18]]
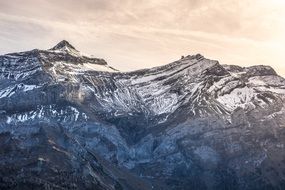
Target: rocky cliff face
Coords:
[[68, 121]]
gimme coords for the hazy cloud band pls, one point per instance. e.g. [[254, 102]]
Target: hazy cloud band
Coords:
[[138, 34]]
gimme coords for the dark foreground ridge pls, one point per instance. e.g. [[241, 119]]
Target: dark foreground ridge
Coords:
[[69, 121]]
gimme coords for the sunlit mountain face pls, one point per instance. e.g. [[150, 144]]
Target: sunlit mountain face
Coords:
[[71, 121]]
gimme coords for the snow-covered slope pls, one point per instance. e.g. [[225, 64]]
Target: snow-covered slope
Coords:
[[191, 124]]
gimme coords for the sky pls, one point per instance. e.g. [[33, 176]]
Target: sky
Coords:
[[131, 34]]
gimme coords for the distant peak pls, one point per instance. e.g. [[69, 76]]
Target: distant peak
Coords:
[[197, 56], [63, 45]]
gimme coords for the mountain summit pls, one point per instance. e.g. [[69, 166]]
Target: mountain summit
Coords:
[[68, 121], [63, 45]]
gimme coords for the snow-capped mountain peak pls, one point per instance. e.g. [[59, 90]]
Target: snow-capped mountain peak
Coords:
[[188, 120], [63, 45]]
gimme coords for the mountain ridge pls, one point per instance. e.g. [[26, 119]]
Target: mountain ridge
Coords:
[[193, 123]]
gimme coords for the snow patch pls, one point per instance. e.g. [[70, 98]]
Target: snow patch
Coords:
[[96, 67], [239, 97]]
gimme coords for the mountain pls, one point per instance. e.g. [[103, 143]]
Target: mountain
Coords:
[[69, 121]]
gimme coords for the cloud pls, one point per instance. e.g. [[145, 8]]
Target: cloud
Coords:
[[136, 34]]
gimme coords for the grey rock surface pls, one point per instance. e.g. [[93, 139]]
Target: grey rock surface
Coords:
[[69, 121]]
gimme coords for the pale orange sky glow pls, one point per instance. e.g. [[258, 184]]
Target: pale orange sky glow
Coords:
[[133, 34]]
